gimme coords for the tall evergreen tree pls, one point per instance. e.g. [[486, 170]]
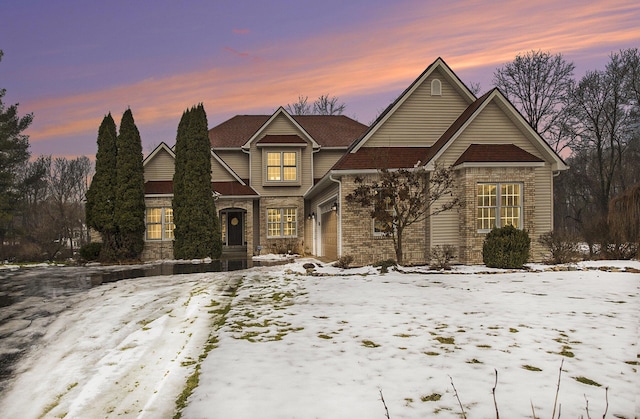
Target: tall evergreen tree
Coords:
[[197, 231], [129, 204], [14, 153], [101, 196]]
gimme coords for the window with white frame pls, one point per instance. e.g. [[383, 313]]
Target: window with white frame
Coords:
[[282, 166], [159, 223], [282, 222], [499, 204]]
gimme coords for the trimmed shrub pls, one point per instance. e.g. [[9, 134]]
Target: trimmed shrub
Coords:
[[562, 248], [91, 251], [384, 265], [441, 257], [344, 262], [506, 247]]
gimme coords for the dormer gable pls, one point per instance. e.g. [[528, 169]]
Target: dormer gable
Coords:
[[280, 114]]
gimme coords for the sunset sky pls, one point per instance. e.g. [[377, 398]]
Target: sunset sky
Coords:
[[71, 62]]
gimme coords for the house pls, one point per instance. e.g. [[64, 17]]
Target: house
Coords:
[[281, 180]]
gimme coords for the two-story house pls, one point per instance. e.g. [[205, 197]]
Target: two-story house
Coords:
[[281, 180]]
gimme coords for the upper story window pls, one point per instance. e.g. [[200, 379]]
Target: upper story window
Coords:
[[499, 204], [159, 223], [282, 166], [436, 87]]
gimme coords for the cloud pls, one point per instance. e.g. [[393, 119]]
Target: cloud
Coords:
[[377, 56], [241, 31]]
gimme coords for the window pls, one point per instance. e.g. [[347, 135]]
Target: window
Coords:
[[282, 222], [159, 223], [282, 167], [499, 204], [382, 228]]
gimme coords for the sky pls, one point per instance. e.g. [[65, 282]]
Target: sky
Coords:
[[70, 62]]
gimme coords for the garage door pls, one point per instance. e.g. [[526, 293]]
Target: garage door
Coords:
[[329, 234]]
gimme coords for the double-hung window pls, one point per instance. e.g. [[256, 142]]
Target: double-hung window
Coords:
[[383, 227], [282, 222], [159, 223], [499, 204], [282, 166]]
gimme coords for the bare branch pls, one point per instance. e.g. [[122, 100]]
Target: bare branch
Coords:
[[455, 392], [385, 405]]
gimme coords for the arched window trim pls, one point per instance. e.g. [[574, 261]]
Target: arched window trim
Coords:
[[436, 87]]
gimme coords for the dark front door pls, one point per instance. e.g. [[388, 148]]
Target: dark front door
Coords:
[[234, 228]]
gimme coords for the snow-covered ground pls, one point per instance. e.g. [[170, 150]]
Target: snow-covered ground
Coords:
[[277, 342]]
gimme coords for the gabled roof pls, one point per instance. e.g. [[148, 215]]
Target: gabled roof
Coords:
[[474, 109], [281, 139], [232, 188], [326, 130], [382, 158], [491, 153], [384, 116], [161, 147]]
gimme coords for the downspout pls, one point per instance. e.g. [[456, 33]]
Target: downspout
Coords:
[[340, 209]]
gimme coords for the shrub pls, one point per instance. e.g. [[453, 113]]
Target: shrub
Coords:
[[91, 251], [384, 265], [441, 257], [563, 248], [344, 262], [506, 247]]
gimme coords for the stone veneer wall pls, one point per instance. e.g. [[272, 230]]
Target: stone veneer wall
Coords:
[[295, 244], [359, 241], [157, 249], [247, 205], [470, 251]]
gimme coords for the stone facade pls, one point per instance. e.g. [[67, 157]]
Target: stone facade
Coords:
[[157, 249], [277, 245], [359, 241], [471, 239], [246, 205]]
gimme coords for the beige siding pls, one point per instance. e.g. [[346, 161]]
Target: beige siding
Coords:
[[422, 118], [237, 160], [160, 167], [544, 199], [324, 160], [492, 126], [281, 126], [445, 228], [219, 173]]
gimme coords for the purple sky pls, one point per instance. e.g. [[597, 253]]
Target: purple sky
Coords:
[[71, 62]]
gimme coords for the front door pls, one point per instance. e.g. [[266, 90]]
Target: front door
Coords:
[[234, 228]]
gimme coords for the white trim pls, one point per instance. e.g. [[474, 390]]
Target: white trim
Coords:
[[161, 146], [226, 167], [158, 195], [296, 145], [499, 164]]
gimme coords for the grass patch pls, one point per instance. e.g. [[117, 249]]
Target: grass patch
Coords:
[[588, 381], [566, 352], [445, 341], [483, 346], [434, 397], [531, 368], [473, 361], [369, 344], [48, 408], [432, 353], [323, 336], [513, 330], [404, 335]]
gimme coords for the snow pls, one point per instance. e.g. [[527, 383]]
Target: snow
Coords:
[[326, 343]]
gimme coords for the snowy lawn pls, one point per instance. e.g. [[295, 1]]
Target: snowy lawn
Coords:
[[276, 342]]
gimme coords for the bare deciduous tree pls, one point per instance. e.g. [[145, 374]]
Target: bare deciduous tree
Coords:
[[538, 83], [301, 107], [326, 105]]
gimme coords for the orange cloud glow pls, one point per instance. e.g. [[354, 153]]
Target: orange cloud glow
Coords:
[[369, 58]]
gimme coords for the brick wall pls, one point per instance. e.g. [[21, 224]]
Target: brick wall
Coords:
[[359, 241], [470, 251], [294, 244], [157, 249]]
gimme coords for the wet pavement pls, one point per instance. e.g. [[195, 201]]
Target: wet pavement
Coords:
[[31, 298]]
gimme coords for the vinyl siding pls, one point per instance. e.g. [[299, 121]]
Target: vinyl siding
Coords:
[[544, 200], [237, 160], [160, 167], [324, 160], [219, 173], [422, 118]]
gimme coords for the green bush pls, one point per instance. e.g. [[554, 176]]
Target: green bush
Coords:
[[506, 247], [91, 251], [384, 265]]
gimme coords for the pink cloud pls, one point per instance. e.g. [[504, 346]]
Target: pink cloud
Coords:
[[241, 31]]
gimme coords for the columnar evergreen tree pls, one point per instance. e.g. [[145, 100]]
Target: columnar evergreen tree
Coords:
[[14, 153], [129, 205], [101, 196], [197, 229]]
